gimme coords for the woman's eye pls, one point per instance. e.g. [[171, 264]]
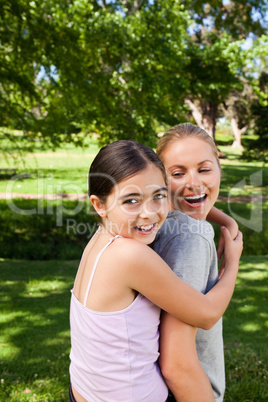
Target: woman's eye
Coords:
[[204, 170], [177, 174]]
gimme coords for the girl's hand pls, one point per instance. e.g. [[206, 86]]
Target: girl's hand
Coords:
[[232, 248], [232, 226]]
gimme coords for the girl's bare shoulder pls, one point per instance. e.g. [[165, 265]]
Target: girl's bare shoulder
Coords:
[[131, 250]]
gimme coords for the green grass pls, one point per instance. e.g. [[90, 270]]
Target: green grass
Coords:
[[44, 230], [34, 321], [61, 229], [252, 219], [241, 178], [63, 170], [246, 333], [45, 234], [34, 331]]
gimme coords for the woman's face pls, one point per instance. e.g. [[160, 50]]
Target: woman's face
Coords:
[[137, 206], [193, 176]]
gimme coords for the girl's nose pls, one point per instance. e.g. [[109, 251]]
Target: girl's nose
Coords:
[[147, 210]]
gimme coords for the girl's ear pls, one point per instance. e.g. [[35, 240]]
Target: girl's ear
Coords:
[[98, 206]]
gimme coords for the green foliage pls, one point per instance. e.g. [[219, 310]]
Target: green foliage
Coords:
[[256, 154], [237, 18], [45, 230], [61, 229], [219, 66], [259, 110], [118, 68], [111, 70]]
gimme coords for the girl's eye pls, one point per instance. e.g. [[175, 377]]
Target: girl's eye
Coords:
[[159, 196], [130, 201], [205, 170]]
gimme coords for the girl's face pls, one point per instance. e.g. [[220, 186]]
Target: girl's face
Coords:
[[193, 176], [137, 206]]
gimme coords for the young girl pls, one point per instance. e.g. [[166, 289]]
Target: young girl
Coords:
[[186, 243], [122, 284]]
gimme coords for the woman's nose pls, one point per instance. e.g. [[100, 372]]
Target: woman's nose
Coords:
[[193, 180]]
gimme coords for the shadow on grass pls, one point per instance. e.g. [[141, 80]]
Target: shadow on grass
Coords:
[[35, 299], [248, 309], [252, 219], [62, 228], [246, 333], [232, 177], [34, 331], [53, 230]]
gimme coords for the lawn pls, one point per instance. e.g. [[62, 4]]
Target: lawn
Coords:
[[65, 171], [45, 171], [35, 343], [40, 244]]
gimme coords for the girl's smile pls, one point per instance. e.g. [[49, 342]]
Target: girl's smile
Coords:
[[137, 206], [145, 229]]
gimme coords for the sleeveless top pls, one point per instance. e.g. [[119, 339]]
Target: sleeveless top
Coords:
[[114, 354]]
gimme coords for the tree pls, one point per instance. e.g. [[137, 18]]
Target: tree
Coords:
[[237, 108], [117, 67], [259, 110], [218, 62], [113, 68], [241, 106], [17, 71], [212, 76]]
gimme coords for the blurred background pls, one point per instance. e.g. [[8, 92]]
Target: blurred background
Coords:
[[77, 74]]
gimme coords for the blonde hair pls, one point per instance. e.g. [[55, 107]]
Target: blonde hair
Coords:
[[185, 130]]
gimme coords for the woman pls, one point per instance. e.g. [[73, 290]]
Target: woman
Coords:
[[192, 361]]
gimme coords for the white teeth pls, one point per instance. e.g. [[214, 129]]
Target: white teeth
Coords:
[[194, 197], [145, 227]]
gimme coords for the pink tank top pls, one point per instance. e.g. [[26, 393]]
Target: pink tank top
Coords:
[[114, 354]]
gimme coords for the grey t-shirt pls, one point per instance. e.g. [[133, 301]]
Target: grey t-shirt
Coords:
[[187, 246]]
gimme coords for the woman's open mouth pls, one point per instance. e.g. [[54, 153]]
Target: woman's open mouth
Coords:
[[195, 200]]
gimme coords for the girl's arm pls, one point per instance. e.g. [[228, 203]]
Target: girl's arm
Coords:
[[148, 274], [217, 216], [179, 362]]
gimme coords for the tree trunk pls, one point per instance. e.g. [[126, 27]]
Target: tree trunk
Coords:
[[206, 117], [237, 133]]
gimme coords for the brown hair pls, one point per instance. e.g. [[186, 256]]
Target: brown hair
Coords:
[[185, 130], [116, 162]]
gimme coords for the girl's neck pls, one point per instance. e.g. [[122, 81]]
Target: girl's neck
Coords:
[[105, 232]]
